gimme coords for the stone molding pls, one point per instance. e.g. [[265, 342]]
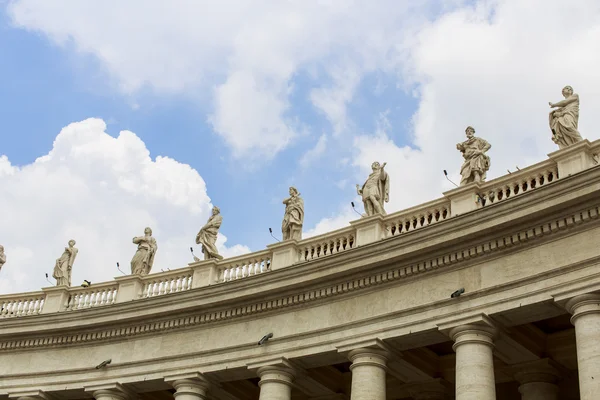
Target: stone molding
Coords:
[[369, 357], [276, 374], [487, 248], [583, 305], [466, 334]]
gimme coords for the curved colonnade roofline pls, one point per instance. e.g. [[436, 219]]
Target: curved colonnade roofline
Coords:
[[455, 202], [378, 290]]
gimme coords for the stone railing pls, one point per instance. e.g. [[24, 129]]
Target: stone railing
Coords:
[[243, 266], [20, 305], [417, 217], [100, 294], [519, 182], [327, 244], [167, 282], [361, 232]]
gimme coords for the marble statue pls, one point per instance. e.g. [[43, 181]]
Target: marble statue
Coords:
[[64, 265], [2, 256], [208, 235], [565, 119], [477, 163], [142, 260], [375, 190], [291, 227]]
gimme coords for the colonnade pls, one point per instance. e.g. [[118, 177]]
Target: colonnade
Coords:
[[474, 379]]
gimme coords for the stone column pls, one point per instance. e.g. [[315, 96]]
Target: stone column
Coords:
[[586, 318], [109, 394], [473, 345], [538, 380], [275, 383], [368, 374], [190, 389]]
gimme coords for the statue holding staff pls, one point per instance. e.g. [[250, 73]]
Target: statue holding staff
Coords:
[[564, 120], [291, 227], [375, 190], [208, 235], [477, 163], [64, 265], [142, 260]]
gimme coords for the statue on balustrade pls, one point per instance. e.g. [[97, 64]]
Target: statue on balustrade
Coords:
[[208, 235], [291, 227], [64, 265], [142, 260], [477, 163], [2, 256], [375, 190], [565, 119]]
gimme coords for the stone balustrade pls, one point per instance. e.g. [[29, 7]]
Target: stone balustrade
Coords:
[[417, 217], [519, 182], [167, 282], [22, 304], [101, 294], [243, 266], [327, 244]]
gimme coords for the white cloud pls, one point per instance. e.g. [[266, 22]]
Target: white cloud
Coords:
[[242, 55], [101, 191], [494, 66], [313, 154]]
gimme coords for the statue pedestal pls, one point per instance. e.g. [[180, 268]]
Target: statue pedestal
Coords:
[[56, 299], [205, 273], [573, 159], [284, 254], [130, 288], [464, 199], [369, 229]]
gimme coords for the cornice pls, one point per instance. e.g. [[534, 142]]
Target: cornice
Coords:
[[546, 229]]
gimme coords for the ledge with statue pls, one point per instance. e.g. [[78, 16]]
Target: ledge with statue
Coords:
[[394, 230]]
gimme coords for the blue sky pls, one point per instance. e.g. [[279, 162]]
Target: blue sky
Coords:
[[51, 87], [256, 96]]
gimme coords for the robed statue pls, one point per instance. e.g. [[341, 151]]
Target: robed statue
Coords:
[[375, 190], [2, 256], [207, 236], [564, 120], [477, 163], [64, 265], [142, 260], [291, 227]]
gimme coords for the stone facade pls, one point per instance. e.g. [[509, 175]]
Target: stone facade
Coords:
[[362, 313]]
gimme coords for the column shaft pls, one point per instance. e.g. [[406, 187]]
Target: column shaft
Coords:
[[586, 318], [368, 374], [474, 363]]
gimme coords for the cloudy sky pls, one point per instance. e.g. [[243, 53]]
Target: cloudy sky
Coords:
[[116, 115]]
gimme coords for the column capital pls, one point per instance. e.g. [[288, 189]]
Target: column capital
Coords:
[[544, 370], [276, 374], [582, 305], [369, 356], [113, 390], [109, 394], [480, 334], [192, 384]]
